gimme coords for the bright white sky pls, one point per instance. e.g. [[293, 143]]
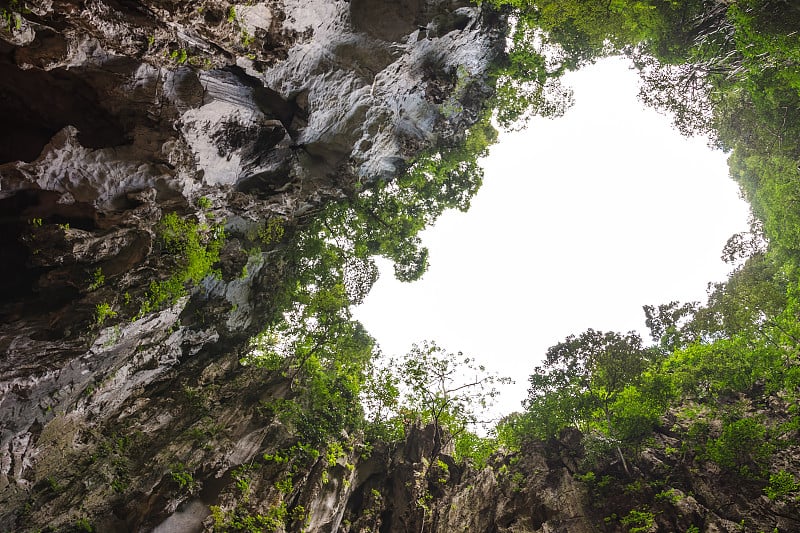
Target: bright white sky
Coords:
[[581, 220]]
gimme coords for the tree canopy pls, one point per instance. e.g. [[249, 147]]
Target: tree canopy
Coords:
[[430, 385]]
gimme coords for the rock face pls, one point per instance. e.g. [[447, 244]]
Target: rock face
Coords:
[[116, 113]]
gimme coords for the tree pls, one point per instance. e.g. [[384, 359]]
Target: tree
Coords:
[[528, 82], [684, 91], [668, 324], [581, 380], [446, 389], [323, 355], [751, 298], [381, 398], [769, 182], [744, 245], [743, 445], [385, 217], [694, 57]]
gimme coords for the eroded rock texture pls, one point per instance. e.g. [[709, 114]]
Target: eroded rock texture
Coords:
[[117, 112]]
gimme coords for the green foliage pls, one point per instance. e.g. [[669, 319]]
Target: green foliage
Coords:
[[180, 56], [102, 312], [729, 69], [284, 465], [741, 336], [12, 19], [183, 478], [284, 485], [277, 457], [754, 291], [552, 36], [705, 371], [246, 38], [759, 34], [638, 520], [590, 382], [239, 519], [452, 106], [98, 279], [299, 515], [635, 487], [54, 485], [242, 478], [668, 324], [511, 430], [781, 484], [83, 524], [742, 446], [385, 218], [313, 342], [598, 486], [528, 82], [670, 495], [195, 248], [323, 353], [163, 292], [272, 232], [380, 397], [477, 449], [429, 385], [637, 409], [204, 202], [436, 389], [694, 59], [114, 452], [768, 183]]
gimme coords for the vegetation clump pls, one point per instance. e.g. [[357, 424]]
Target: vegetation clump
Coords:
[[103, 311], [195, 249]]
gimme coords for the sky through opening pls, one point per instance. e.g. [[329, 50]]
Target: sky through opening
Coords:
[[580, 222]]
